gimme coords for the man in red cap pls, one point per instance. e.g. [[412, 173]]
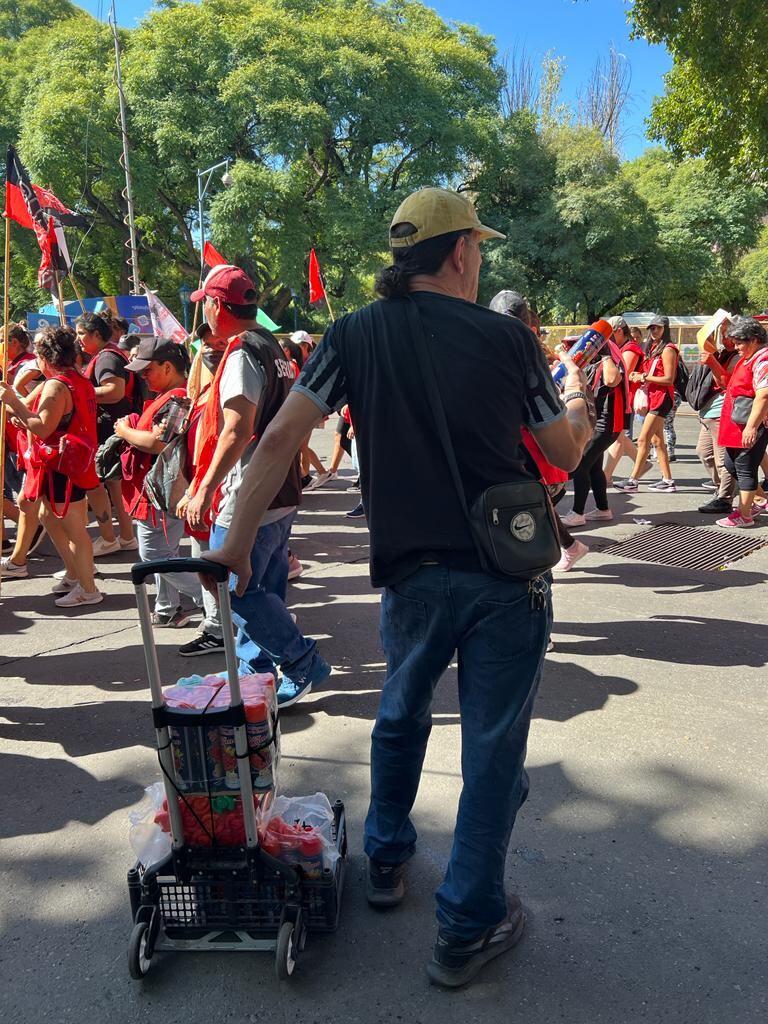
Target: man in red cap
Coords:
[[251, 383]]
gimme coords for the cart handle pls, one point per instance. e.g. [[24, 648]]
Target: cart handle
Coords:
[[216, 570]]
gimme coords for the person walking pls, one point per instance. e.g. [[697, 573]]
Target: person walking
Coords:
[[744, 420], [164, 366], [657, 379], [62, 409], [115, 388], [437, 598], [250, 385], [720, 365]]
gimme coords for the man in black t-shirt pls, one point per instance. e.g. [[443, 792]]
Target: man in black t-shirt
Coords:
[[113, 385], [492, 379]]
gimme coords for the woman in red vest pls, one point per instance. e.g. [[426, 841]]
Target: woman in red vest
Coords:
[[657, 379], [164, 366], [60, 420], [743, 431]]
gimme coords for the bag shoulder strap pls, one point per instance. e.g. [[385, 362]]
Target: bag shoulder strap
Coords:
[[430, 385]]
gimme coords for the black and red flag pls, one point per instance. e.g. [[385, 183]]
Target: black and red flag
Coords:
[[39, 209]]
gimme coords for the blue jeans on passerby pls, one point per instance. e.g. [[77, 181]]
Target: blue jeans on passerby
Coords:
[[501, 639], [266, 634]]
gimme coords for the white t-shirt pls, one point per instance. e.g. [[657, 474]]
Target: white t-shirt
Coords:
[[244, 377]]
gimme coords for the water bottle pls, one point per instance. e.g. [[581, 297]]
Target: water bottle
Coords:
[[590, 343]]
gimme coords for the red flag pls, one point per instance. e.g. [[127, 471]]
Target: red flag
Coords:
[[316, 286], [211, 257], [30, 205]]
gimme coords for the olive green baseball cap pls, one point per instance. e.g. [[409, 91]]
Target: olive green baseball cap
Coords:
[[433, 212]]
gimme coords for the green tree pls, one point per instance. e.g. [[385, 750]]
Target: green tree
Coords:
[[580, 242], [717, 92], [331, 112], [753, 270], [706, 220]]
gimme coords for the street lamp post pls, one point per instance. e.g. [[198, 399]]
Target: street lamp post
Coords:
[[185, 294], [203, 183]]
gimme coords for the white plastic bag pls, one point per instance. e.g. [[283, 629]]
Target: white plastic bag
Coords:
[[147, 839], [299, 830]]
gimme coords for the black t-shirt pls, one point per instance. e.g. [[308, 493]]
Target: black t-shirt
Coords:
[[492, 378], [110, 364]]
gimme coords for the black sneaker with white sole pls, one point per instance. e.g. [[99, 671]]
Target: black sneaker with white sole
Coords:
[[385, 886], [203, 643], [456, 961], [37, 540]]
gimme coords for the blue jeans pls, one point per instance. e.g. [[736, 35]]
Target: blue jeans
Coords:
[[266, 634], [501, 640]]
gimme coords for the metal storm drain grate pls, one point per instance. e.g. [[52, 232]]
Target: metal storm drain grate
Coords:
[[688, 547]]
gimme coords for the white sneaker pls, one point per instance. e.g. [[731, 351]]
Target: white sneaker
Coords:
[[63, 584], [573, 519], [10, 569], [78, 596], [103, 547], [599, 515], [318, 481], [129, 545]]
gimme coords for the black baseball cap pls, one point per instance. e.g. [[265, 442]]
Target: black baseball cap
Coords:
[[155, 350]]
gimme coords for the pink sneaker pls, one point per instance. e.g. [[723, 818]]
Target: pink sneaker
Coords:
[[736, 521], [570, 556]]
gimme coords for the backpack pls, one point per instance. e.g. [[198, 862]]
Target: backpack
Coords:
[[701, 384], [166, 481], [682, 377]]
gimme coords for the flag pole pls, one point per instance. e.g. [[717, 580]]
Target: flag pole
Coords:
[[60, 290], [328, 304], [76, 290], [6, 317]]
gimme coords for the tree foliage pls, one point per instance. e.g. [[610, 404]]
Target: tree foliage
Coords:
[[717, 92], [331, 111]]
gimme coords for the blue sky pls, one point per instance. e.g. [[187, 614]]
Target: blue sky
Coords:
[[578, 30]]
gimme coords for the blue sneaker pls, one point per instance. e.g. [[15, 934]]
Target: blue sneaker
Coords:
[[290, 691]]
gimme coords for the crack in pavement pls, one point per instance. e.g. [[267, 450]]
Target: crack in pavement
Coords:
[[75, 643]]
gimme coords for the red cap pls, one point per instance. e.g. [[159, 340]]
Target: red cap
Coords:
[[230, 284]]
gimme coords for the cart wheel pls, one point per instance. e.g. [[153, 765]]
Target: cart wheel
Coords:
[[285, 954], [138, 961]]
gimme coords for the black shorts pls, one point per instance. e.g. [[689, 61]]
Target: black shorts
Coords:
[[664, 409], [342, 428], [743, 463], [60, 483]]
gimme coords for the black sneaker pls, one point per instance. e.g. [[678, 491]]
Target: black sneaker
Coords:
[[8, 546], [717, 505], [358, 512], [385, 886], [306, 480], [203, 643], [455, 961]]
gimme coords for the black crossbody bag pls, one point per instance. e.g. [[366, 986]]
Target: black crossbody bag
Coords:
[[513, 525]]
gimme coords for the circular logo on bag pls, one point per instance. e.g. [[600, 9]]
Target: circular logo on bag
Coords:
[[523, 526]]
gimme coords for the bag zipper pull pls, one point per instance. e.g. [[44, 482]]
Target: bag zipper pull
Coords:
[[495, 516]]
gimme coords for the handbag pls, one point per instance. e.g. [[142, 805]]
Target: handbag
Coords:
[[513, 525], [71, 457], [741, 410]]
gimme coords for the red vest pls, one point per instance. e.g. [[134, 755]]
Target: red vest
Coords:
[[654, 367], [130, 383], [740, 385], [82, 425], [136, 464]]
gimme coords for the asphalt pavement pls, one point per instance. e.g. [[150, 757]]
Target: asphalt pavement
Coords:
[[641, 852]]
